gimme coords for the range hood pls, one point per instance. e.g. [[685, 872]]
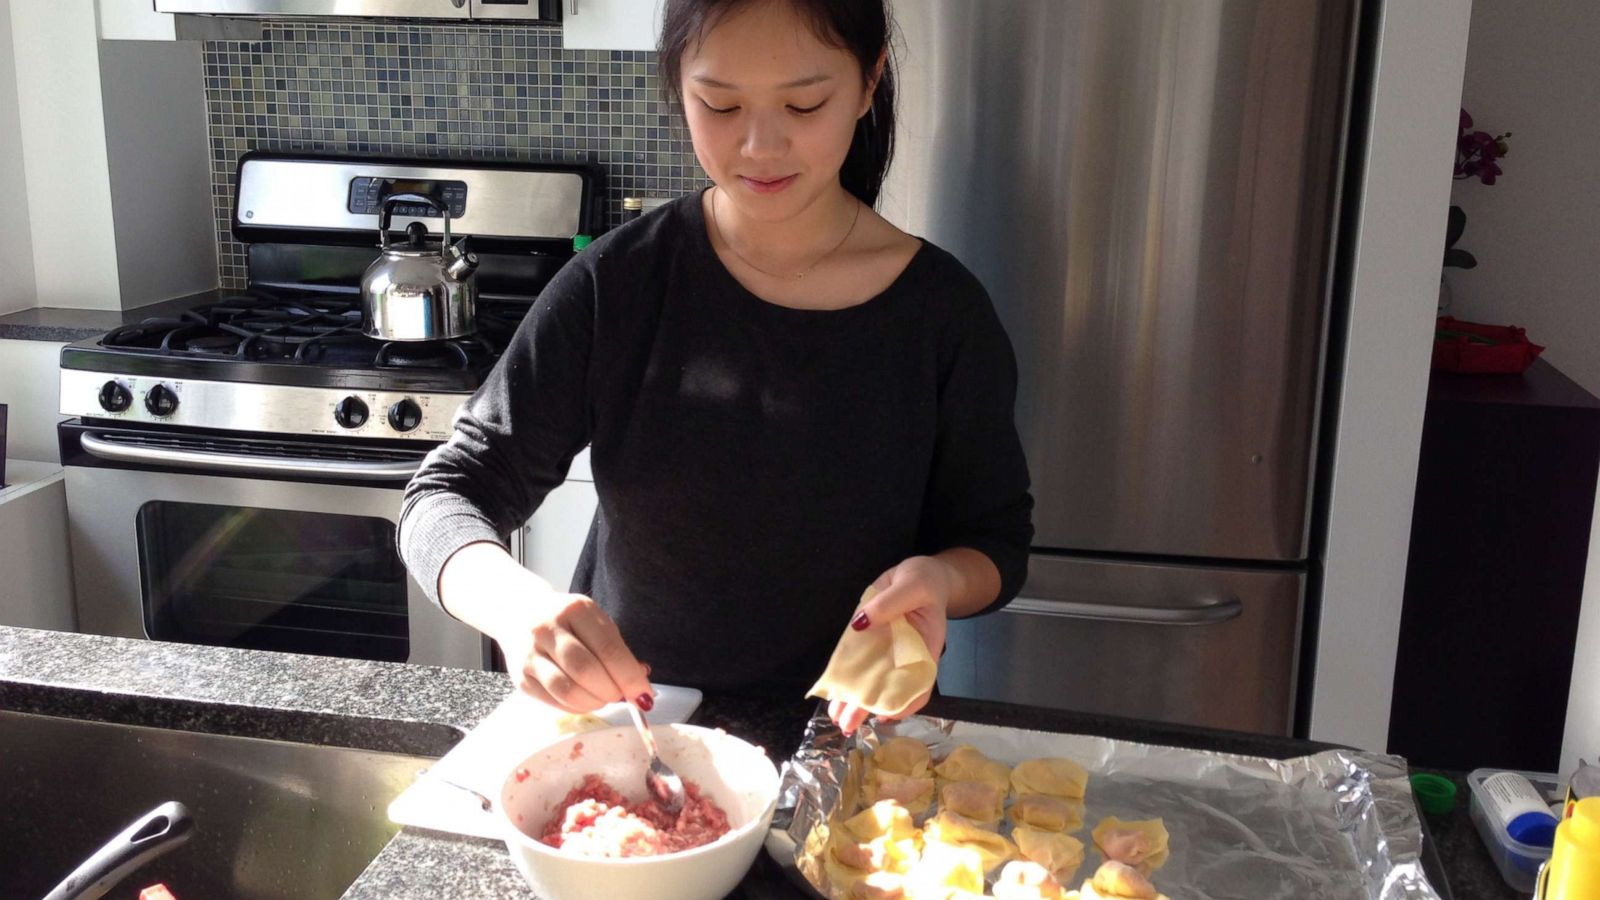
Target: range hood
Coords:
[[442, 10]]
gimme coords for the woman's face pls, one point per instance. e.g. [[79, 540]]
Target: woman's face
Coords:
[[771, 108]]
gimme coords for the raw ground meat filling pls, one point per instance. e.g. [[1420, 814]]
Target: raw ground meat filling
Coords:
[[595, 820]]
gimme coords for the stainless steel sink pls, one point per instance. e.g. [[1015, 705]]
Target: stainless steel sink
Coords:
[[273, 818]]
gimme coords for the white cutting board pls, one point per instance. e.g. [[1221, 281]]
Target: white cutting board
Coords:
[[511, 733]]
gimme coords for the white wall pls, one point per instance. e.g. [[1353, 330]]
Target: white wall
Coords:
[[1421, 55], [16, 250], [134, 20], [64, 153], [1532, 70]]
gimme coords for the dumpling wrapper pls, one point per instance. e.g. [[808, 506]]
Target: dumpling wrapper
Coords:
[[953, 830], [976, 800], [577, 723], [903, 756], [881, 670], [967, 763], [1119, 881], [1023, 880], [1047, 813], [1060, 854], [1056, 776], [1141, 844], [915, 794], [945, 871]]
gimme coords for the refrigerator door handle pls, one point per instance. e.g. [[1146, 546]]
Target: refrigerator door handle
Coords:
[[1213, 612]]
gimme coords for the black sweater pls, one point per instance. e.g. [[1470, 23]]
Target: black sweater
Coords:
[[757, 465]]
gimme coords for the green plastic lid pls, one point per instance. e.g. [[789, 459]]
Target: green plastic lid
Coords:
[[1436, 794], [580, 241]]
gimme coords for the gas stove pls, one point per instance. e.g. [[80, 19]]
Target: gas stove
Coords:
[[235, 471], [287, 356]]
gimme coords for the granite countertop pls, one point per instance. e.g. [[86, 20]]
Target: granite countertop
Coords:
[[380, 706], [56, 324]]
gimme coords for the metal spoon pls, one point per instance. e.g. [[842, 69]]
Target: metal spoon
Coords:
[[659, 779], [482, 800]]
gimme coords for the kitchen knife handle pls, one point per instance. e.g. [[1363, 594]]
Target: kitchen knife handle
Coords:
[[1211, 613]]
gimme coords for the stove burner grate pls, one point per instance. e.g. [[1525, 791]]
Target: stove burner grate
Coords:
[[306, 329]]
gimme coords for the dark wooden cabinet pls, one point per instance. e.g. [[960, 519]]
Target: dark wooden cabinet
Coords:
[[1494, 581]]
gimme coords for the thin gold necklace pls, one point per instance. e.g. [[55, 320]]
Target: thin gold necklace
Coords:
[[803, 272]]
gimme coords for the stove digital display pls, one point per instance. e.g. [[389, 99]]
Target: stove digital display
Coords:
[[367, 192]]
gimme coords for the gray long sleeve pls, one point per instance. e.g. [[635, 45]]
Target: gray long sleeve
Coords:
[[757, 465]]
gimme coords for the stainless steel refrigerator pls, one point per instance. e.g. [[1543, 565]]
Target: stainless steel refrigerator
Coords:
[[1149, 189]]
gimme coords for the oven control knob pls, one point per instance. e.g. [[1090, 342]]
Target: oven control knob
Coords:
[[350, 412], [114, 397], [161, 401], [405, 415]]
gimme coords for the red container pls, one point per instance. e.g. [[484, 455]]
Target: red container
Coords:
[[1471, 347]]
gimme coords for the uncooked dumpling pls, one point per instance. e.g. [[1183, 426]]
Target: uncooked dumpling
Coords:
[[881, 854], [1048, 813], [945, 871], [967, 763], [878, 886], [1023, 880], [1119, 881], [915, 794], [1060, 854], [903, 756], [1141, 844], [952, 830], [880, 838], [886, 818], [881, 670], [982, 803], [1056, 776]]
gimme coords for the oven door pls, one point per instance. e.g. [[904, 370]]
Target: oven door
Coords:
[[176, 537]]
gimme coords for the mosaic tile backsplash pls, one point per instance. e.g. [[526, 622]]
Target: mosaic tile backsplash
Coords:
[[471, 92]]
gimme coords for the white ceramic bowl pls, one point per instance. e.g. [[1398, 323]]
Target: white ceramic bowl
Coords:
[[734, 774]]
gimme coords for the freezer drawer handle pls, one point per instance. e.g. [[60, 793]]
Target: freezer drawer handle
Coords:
[[354, 470], [1208, 614]]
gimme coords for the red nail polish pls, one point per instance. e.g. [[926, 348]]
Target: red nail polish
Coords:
[[645, 702], [860, 622]]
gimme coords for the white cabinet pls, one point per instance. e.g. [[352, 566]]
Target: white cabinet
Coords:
[[553, 539], [36, 591], [30, 385], [611, 24]]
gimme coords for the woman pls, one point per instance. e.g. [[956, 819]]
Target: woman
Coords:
[[787, 399]]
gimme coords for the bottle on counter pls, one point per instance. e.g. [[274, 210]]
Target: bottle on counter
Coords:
[[1517, 808], [632, 208], [1573, 872]]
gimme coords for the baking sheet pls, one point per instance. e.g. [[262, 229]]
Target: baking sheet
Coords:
[[1337, 825]]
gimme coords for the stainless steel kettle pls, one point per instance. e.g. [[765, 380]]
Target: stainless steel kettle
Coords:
[[414, 292]]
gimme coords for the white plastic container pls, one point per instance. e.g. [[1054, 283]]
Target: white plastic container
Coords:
[[1518, 862]]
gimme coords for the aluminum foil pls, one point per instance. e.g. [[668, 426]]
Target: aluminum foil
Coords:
[[1337, 825]]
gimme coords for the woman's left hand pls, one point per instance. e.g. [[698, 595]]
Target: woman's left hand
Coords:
[[920, 589]]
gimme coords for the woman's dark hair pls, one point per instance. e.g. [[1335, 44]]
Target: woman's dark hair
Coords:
[[860, 27]]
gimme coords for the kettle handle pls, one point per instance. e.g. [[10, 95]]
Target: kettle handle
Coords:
[[383, 215]]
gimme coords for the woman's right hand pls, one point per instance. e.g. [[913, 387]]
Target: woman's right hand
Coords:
[[560, 648], [564, 649]]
